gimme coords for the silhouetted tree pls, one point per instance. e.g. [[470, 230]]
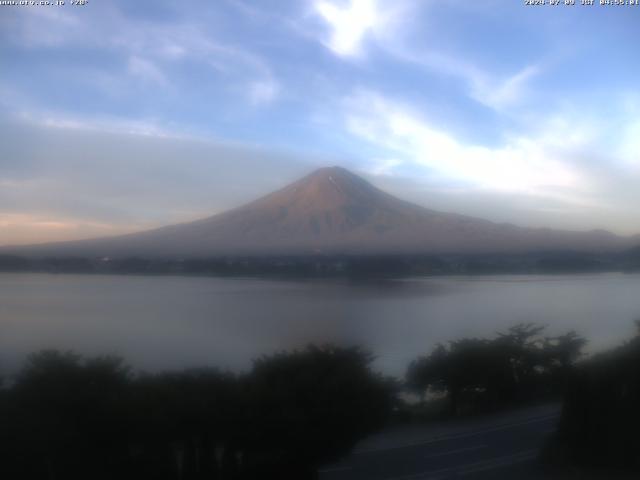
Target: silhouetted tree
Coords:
[[311, 406], [479, 374], [67, 417], [429, 372], [600, 417], [183, 420], [65, 414]]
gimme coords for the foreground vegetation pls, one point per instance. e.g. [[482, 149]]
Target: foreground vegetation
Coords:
[[597, 435], [601, 415], [476, 375], [68, 417]]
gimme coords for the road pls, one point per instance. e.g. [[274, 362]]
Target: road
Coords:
[[495, 447]]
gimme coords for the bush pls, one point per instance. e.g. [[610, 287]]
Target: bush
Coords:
[[479, 374], [601, 417], [74, 418]]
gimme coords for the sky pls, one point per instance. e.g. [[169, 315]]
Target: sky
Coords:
[[118, 116]]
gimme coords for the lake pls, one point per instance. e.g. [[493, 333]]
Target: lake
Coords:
[[167, 322]]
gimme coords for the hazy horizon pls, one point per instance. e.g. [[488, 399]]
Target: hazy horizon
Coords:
[[118, 118], [260, 197]]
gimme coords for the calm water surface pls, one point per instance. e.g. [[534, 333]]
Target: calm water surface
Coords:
[[175, 322]]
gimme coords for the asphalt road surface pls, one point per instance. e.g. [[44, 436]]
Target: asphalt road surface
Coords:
[[496, 447]]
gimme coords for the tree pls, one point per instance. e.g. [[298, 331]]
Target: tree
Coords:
[[69, 417], [180, 420], [66, 414], [600, 417], [311, 406], [485, 374], [430, 372]]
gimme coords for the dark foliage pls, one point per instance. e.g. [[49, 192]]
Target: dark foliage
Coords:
[[481, 374], [600, 418], [325, 397], [69, 418]]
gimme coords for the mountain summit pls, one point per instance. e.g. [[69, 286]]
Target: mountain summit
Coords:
[[333, 211]]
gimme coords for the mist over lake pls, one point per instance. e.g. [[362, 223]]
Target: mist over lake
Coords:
[[172, 322]]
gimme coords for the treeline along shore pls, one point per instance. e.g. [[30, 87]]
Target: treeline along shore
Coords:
[[64, 416], [321, 265]]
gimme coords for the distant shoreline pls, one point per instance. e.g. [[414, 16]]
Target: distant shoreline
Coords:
[[336, 266]]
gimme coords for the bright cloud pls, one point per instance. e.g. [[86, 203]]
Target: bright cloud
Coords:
[[501, 94], [349, 25], [521, 164], [384, 166]]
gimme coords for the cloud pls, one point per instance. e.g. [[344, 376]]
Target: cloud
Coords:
[[500, 94], [146, 70], [100, 123], [567, 169], [630, 143], [493, 90], [154, 51], [520, 164], [18, 228], [78, 182], [394, 30], [262, 92], [464, 116], [349, 24], [384, 166], [35, 27]]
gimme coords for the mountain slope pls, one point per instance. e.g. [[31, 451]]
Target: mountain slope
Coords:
[[333, 211]]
